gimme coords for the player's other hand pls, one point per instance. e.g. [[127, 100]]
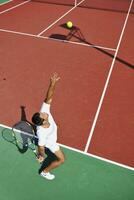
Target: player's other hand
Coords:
[[55, 78], [40, 159]]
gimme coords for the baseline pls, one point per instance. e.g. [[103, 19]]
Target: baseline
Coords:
[[87, 154]]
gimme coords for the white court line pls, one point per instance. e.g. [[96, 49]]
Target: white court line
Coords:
[[87, 154], [107, 82], [4, 11], [18, 33], [1, 4], [79, 43], [65, 41], [59, 18]]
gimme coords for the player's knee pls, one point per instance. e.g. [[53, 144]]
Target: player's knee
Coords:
[[62, 160], [60, 157]]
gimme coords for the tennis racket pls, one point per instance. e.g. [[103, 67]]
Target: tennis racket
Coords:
[[7, 134], [24, 136]]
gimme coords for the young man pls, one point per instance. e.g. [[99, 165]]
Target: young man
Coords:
[[47, 134]]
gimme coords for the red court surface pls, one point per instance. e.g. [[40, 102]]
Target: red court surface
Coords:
[[10, 5], [75, 95], [115, 124], [31, 22], [96, 30], [31, 18], [27, 61]]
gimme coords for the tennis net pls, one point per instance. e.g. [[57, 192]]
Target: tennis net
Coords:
[[107, 5]]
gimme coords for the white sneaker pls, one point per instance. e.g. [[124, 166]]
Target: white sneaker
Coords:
[[47, 175]]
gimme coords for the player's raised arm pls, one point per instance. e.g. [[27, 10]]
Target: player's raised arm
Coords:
[[53, 80]]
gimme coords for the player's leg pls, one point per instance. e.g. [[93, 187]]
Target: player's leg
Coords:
[[51, 157], [60, 160]]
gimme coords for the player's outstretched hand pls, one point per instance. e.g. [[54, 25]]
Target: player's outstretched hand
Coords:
[[55, 78]]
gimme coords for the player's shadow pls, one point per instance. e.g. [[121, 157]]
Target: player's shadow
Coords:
[[76, 33], [23, 117], [7, 133], [24, 137]]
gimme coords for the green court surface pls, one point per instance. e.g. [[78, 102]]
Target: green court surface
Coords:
[[81, 177], [4, 1]]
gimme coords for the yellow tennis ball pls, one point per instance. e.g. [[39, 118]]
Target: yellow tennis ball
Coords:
[[69, 24]]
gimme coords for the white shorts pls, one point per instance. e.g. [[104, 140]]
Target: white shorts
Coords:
[[54, 147]]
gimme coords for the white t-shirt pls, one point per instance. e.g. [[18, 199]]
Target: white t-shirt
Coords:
[[48, 136]]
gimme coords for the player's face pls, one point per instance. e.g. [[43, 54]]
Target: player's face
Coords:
[[44, 116]]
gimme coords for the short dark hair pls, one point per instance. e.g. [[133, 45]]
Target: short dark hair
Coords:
[[36, 119]]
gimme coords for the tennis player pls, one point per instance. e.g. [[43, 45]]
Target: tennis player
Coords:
[[47, 134]]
